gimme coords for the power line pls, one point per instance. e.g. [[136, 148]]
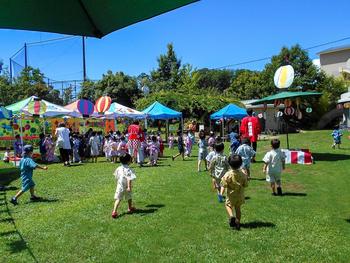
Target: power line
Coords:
[[267, 58], [44, 42]]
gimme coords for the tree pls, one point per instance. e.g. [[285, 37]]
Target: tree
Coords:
[[166, 76], [214, 78], [67, 95], [87, 91]]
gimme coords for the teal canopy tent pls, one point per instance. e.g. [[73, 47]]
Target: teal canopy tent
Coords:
[[286, 95], [81, 17], [5, 113]]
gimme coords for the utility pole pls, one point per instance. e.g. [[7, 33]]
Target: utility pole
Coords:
[[10, 70], [25, 56], [84, 63]]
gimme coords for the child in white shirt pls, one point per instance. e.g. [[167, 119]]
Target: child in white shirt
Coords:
[[124, 177]]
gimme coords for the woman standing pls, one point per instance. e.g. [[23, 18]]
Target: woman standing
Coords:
[[63, 143]]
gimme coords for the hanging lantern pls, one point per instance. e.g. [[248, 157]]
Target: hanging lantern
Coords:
[[289, 111], [284, 77], [347, 105], [102, 104], [277, 103], [340, 106], [308, 110], [85, 107], [36, 107], [287, 103]]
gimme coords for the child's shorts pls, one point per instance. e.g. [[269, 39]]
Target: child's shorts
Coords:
[[27, 184], [273, 178], [202, 155], [120, 193], [217, 182]]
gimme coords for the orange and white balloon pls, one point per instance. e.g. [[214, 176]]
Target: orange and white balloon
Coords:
[[284, 77], [102, 104]]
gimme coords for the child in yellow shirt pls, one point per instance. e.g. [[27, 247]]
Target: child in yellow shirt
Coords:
[[234, 182]]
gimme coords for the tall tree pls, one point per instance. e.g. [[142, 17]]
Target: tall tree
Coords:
[[166, 76]]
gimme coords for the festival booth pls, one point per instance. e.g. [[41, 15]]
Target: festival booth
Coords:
[[158, 111], [231, 111], [26, 121]]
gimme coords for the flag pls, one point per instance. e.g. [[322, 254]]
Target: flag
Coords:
[[302, 156]]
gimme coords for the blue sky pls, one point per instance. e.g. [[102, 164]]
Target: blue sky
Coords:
[[209, 33]]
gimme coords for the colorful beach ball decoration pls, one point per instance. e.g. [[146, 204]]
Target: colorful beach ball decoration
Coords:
[[284, 76], [85, 107], [36, 107], [102, 104]]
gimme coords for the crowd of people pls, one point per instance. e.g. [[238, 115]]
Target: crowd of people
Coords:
[[230, 173]]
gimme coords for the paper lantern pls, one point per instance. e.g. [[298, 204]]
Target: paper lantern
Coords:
[[277, 103], [36, 107], [284, 77], [308, 110], [340, 106], [85, 107], [102, 104], [287, 103], [289, 111], [347, 105]]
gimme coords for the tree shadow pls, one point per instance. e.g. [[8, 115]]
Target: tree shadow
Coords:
[[8, 188], [257, 224], [17, 245], [347, 220], [9, 175], [329, 157], [294, 194], [247, 198]]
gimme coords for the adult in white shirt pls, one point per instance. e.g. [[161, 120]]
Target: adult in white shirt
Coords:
[[63, 142]]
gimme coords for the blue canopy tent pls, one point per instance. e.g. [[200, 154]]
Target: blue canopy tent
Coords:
[[158, 111], [231, 111], [5, 113]]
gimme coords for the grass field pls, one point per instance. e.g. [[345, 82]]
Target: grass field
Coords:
[[179, 218]]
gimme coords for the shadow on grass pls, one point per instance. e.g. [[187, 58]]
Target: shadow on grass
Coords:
[[294, 194], [17, 245], [257, 179], [330, 157], [44, 200], [150, 209], [8, 175], [257, 224], [247, 198], [156, 205], [347, 220], [158, 165]]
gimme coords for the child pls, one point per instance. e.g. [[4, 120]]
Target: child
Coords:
[[42, 147], [247, 153], [235, 143], [154, 149], [234, 181], [50, 148], [94, 146], [114, 150], [6, 157], [336, 134], [202, 150], [171, 141], [211, 140], [76, 145], [188, 144], [17, 146], [218, 167], [27, 165], [161, 144], [180, 146], [122, 146], [124, 177], [107, 147], [274, 164]]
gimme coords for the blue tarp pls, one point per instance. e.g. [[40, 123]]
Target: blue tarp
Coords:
[[5, 114], [158, 111], [231, 111]]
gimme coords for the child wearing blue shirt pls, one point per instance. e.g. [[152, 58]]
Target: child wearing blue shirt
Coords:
[[336, 134], [27, 165]]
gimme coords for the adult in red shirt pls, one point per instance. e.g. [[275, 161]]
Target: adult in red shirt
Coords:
[[134, 144], [250, 128]]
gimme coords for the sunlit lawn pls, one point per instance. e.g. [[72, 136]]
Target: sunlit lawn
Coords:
[[179, 218]]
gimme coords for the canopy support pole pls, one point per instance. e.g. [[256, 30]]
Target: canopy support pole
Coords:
[[209, 125], [146, 123], [166, 130], [21, 132], [287, 136], [223, 129]]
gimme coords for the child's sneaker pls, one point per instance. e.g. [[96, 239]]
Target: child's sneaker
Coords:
[[279, 191], [14, 201], [114, 214], [220, 198], [238, 226], [131, 210], [274, 194], [232, 222]]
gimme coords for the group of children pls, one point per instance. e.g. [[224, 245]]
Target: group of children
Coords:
[[230, 175]]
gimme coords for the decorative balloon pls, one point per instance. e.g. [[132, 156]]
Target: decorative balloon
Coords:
[[347, 105], [102, 104], [277, 103], [308, 110], [289, 111], [85, 107], [287, 103], [36, 107], [284, 77]]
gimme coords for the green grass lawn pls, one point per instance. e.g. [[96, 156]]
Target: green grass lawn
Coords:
[[179, 218]]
